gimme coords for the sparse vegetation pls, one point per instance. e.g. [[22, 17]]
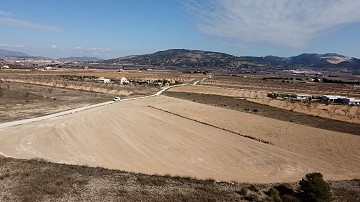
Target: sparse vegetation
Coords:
[[39, 180]]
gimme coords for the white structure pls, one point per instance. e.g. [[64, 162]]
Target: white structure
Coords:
[[47, 68], [351, 101], [303, 97], [333, 98], [123, 81], [102, 80], [5, 67]]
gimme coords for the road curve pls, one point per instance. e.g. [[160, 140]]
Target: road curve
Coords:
[[25, 121]]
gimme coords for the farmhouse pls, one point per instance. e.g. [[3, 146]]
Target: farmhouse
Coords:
[[102, 80], [333, 98]]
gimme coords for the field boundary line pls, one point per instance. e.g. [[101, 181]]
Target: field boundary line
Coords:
[[208, 124]]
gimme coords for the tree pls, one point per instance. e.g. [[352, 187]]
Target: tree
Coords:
[[314, 188]]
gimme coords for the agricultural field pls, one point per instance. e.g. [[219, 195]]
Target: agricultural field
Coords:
[[223, 133], [185, 138], [21, 101], [260, 109], [266, 83], [332, 111]]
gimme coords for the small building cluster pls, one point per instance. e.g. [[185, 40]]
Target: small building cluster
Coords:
[[102, 80], [339, 99]]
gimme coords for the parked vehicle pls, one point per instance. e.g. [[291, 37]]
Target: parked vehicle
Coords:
[[116, 99]]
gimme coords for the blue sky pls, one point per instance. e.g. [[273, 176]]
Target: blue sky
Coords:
[[114, 28]]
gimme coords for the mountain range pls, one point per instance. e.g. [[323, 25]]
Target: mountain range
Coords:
[[182, 58], [15, 54], [199, 59], [6, 53]]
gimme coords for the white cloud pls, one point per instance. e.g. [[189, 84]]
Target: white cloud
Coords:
[[12, 45], [290, 23], [53, 46], [95, 51], [27, 24]]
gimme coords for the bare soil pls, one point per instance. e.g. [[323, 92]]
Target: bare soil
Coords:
[[257, 82], [21, 101], [244, 105], [188, 139], [336, 152], [339, 112]]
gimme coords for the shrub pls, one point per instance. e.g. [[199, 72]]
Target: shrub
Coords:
[[284, 189], [274, 195], [290, 198], [314, 188], [244, 191]]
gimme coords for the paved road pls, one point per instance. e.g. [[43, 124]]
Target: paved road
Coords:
[[20, 122]]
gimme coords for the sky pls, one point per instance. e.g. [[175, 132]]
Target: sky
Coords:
[[116, 28]]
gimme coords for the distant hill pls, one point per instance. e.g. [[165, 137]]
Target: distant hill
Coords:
[[199, 59], [6, 53], [84, 58], [184, 58]]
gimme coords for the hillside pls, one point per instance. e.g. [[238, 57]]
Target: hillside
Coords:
[[187, 58], [207, 59], [6, 53], [39, 180]]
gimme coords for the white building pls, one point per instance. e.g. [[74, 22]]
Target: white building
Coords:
[[5, 67], [333, 98], [303, 97], [351, 101], [102, 80], [123, 81]]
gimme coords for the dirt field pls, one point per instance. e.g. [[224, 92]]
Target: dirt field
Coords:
[[337, 112], [134, 137], [21, 101], [257, 82], [244, 105], [112, 74], [336, 151]]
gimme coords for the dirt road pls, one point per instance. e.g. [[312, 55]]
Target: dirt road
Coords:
[[134, 137]]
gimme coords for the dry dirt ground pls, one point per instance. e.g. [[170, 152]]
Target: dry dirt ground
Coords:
[[165, 139], [21, 101], [337, 112], [334, 151], [244, 105], [277, 85]]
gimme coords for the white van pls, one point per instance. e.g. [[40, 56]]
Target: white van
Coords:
[[116, 99]]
